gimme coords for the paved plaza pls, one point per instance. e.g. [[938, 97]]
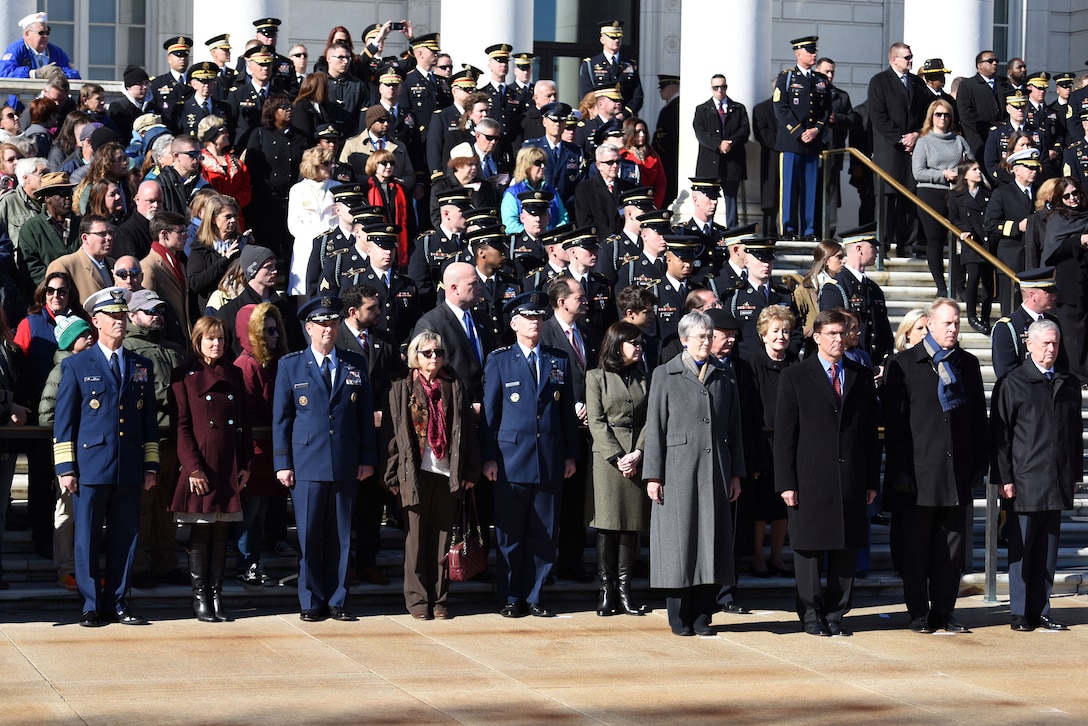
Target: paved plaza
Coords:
[[267, 667]]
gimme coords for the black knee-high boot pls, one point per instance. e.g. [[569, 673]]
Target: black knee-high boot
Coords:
[[218, 562], [628, 553], [607, 546], [199, 567]]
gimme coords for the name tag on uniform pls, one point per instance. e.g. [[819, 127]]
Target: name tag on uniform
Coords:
[[302, 385], [92, 379], [511, 384]]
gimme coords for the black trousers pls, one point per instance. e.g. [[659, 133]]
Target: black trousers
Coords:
[[572, 514], [691, 606], [833, 600], [933, 545], [900, 223], [1033, 558]]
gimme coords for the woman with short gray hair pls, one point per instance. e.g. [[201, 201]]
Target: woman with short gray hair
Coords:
[[693, 463]]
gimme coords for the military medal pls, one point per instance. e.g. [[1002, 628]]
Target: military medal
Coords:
[[354, 397], [302, 400], [94, 403], [556, 395], [515, 397], [140, 405]]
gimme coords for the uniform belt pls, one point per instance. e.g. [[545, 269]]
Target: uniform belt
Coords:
[[619, 425]]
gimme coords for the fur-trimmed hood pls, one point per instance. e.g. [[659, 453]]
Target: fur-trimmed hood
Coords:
[[252, 320]]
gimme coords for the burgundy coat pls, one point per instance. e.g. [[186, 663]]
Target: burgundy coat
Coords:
[[213, 435]]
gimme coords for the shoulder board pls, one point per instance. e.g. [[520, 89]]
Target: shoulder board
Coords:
[[233, 89], [993, 128], [594, 275], [502, 349], [438, 111], [428, 233], [293, 355], [1004, 319], [613, 238], [507, 276]]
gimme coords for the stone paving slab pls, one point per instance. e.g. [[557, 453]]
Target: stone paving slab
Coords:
[[268, 667]]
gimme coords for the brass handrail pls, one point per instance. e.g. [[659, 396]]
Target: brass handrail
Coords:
[[889, 179]]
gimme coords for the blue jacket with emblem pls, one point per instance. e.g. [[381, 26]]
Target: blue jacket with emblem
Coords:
[[101, 434], [323, 436], [528, 428]]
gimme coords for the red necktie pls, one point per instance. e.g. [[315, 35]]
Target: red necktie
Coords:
[[835, 383]]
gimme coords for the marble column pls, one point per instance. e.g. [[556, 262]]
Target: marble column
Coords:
[[466, 31], [11, 12], [965, 28], [213, 17]]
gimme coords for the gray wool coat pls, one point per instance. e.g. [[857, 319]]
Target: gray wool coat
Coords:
[[616, 415], [693, 447]]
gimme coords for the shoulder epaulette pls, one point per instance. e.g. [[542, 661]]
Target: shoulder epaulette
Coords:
[[502, 349], [537, 271], [293, 355], [428, 233]]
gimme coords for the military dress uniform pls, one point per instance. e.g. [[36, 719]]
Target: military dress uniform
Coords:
[[801, 101], [246, 104], [616, 251], [323, 433], [715, 240], [398, 300], [998, 140], [529, 429], [641, 272], [105, 433], [670, 307], [1075, 160], [490, 311], [341, 262], [539, 279], [1009, 341], [598, 71]]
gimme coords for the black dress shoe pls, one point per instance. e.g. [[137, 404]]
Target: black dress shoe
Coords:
[[920, 625], [735, 608], [978, 326], [90, 619], [1020, 624], [881, 519], [685, 631], [1048, 624], [127, 617], [952, 625], [341, 614], [836, 628], [781, 571], [311, 616], [540, 611], [817, 628], [511, 610]]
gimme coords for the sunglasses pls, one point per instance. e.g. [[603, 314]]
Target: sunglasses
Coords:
[[907, 57], [194, 154], [941, 114], [989, 60], [635, 343], [154, 311], [47, 31], [444, 68], [433, 353], [300, 55], [541, 163], [125, 274], [340, 57], [58, 291], [284, 107], [387, 162], [1071, 195], [487, 136], [271, 331], [718, 88], [610, 162], [10, 115]]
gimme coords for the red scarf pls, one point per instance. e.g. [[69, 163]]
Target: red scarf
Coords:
[[398, 215], [171, 260]]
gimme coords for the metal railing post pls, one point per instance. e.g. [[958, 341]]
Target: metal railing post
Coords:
[[990, 594], [825, 202]]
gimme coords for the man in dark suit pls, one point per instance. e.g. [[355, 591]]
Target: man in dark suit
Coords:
[[765, 132], [722, 129], [1038, 462], [980, 101], [1009, 338], [1006, 218], [667, 133], [358, 335], [597, 199], [853, 290], [835, 399], [898, 100], [937, 442], [802, 107], [466, 341], [607, 68], [840, 122], [530, 444], [323, 429], [566, 331], [104, 458]]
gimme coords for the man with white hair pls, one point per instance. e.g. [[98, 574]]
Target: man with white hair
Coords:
[[33, 56], [19, 206], [597, 198]]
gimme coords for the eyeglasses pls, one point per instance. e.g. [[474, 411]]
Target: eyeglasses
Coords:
[[541, 163], [988, 60], [1071, 195], [941, 114], [832, 333], [444, 68], [340, 57], [58, 291], [722, 87], [610, 162], [271, 331], [154, 311], [177, 230], [47, 31], [300, 55], [433, 353], [101, 234], [125, 274], [194, 154], [487, 136], [906, 57], [179, 54], [284, 107], [387, 162], [10, 115]]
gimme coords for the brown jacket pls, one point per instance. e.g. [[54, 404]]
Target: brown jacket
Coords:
[[403, 465], [83, 272], [159, 277]]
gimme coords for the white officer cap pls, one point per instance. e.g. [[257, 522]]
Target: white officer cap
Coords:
[[33, 18]]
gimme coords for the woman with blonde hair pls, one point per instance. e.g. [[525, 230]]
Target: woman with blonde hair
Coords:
[[529, 172], [218, 242], [912, 330], [309, 212]]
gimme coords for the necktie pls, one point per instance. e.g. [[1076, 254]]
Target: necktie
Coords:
[[683, 291], [489, 167], [106, 276], [502, 89], [490, 288], [532, 365], [386, 279], [470, 329], [1027, 193], [835, 383], [906, 83], [326, 373], [575, 344], [262, 94], [1049, 376], [381, 143], [208, 107], [364, 342], [115, 367], [706, 229], [659, 266]]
